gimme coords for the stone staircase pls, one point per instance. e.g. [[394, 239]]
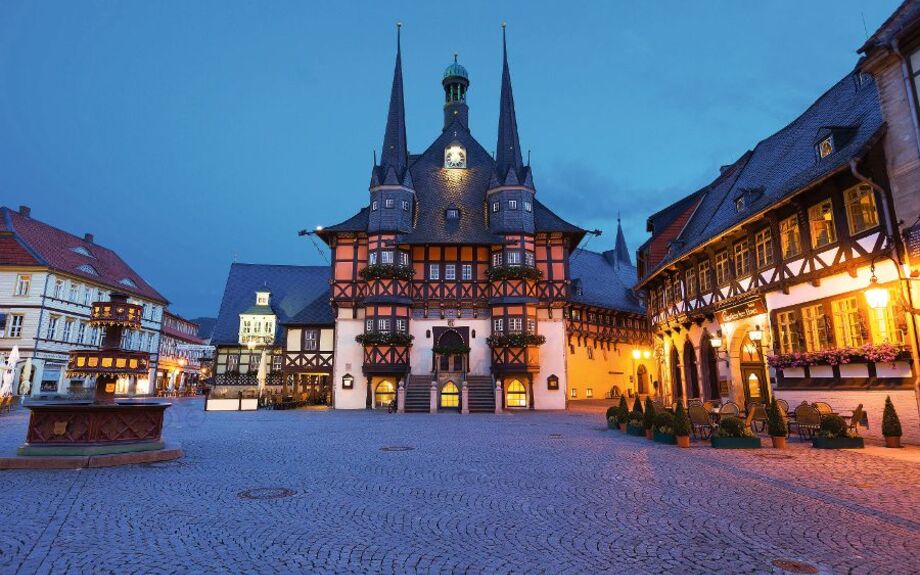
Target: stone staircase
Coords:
[[481, 393], [418, 394]]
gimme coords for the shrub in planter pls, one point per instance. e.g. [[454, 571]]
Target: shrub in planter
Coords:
[[612, 422], [891, 425], [682, 426], [734, 434], [623, 412], [776, 425], [664, 428], [834, 435], [648, 418], [612, 411]]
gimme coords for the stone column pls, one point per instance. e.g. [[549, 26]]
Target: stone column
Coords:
[[433, 405], [401, 397], [464, 399], [498, 396]]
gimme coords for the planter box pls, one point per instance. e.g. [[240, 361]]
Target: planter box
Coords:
[[735, 442], [896, 369], [822, 371], [854, 370], [665, 438], [838, 443], [793, 372], [637, 431]]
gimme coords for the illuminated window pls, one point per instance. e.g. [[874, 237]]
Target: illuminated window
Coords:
[[453, 214], [815, 327], [512, 204], [788, 335], [573, 392], [789, 237], [847, 322], [739, 204], [517, 394], [722, 268], [884, 327], [705, 277], [826, 147], [450, 395], [742, 259], [763, 247], [531, 325], [454, 157], [496, 206], [690, 278], [821, 218], [589, 393], [389, 203], [861, 212]]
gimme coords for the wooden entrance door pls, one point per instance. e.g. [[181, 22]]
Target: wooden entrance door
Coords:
[[753, 379]]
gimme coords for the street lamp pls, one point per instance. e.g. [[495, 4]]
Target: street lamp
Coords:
[[636, 353], [756, 334], [876, 296]]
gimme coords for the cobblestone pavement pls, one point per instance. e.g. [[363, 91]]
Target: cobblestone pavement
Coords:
[[520, 493]]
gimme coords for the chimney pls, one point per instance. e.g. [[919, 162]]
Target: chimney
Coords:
[[88, 238], [25, 211]]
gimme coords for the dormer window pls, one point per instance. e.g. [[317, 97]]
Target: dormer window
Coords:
[[452, 214], [82, 251], [496, 206], [528, 207], [87, 269], [389, 203], [374, 206], [405, 205], [128, 282], [262, 297], [739, 204], [454, 157], [512, 204], [826, 147]]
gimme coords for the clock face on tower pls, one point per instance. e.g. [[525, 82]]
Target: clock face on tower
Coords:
[[454, 157]]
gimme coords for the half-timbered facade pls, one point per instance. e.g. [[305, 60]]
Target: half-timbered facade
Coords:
[[179, 369], [455, 280], [762, 275]]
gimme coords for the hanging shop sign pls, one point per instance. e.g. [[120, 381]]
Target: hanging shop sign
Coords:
[[741, 311]]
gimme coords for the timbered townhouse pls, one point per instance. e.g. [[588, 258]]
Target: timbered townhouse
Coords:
[[180, 355], [781, 259], [455, 280], [278, 318], [48, 281]]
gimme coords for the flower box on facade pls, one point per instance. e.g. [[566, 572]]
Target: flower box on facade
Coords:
[[638, 431], [897, 369], [794, 372], [838, 443], [822, 371], [854, 370], [666, 438], [735, 442]]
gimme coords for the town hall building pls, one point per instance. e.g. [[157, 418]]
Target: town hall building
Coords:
[[453, 287]]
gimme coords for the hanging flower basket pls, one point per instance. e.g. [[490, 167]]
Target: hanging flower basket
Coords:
[[386, 271], [869, 353], [506, 272], [384, 339], [516, 340]]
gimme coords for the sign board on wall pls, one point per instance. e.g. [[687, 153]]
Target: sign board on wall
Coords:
[[912, 243], [741, 311]]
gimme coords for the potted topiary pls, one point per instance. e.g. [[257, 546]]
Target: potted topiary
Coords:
[[634, 425], [835, 435], [664, 428], [648, 419], [623, 413], [681, 426], [734, 434], [891, 425], [776, 425], [612, 422]]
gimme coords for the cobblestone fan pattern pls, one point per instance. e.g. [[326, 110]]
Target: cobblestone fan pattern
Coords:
[[520, 493]]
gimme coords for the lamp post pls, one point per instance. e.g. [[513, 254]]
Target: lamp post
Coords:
[[877, 298]]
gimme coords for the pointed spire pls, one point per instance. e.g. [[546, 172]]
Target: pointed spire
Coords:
[[620, 250], [395, 151], [508, 151]]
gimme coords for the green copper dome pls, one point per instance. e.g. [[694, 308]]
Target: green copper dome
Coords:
[[456, 70]]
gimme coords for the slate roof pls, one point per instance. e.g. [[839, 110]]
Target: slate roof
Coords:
[[55, 248], [786, 162], [294, 290], [205, 326], [604, 281]]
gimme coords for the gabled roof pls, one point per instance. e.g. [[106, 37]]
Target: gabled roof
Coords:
[[603, 282], [59, 250], [785, 163], [293, 289], [904, 19]]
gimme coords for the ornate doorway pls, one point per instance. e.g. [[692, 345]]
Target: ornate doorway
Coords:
[[516, 394], [384, 393], [450, 352], [753, 375]]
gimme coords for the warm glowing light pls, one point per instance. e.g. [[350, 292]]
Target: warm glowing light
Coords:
[[876, 297], [756, 334], [636, 354], [646, 354], [715, 341]]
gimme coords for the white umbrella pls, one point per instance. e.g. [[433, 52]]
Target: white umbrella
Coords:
[[9, 372], [263, 371], [25, 385]]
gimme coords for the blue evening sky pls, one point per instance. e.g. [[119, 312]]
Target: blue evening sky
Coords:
[[189, 135]]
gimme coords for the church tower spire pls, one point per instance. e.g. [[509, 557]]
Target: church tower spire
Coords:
[[508, 150], [621, 252], [395, 154]]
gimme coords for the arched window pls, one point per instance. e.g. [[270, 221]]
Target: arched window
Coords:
[[384, 393], [450, 395], [517, 394]]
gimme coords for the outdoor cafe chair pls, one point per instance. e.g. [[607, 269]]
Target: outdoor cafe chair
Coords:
[[823, 408], [784, 405], [807, 420], [694, 401], [857, 416], [700, 423], [758, 417], [730, 408]]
